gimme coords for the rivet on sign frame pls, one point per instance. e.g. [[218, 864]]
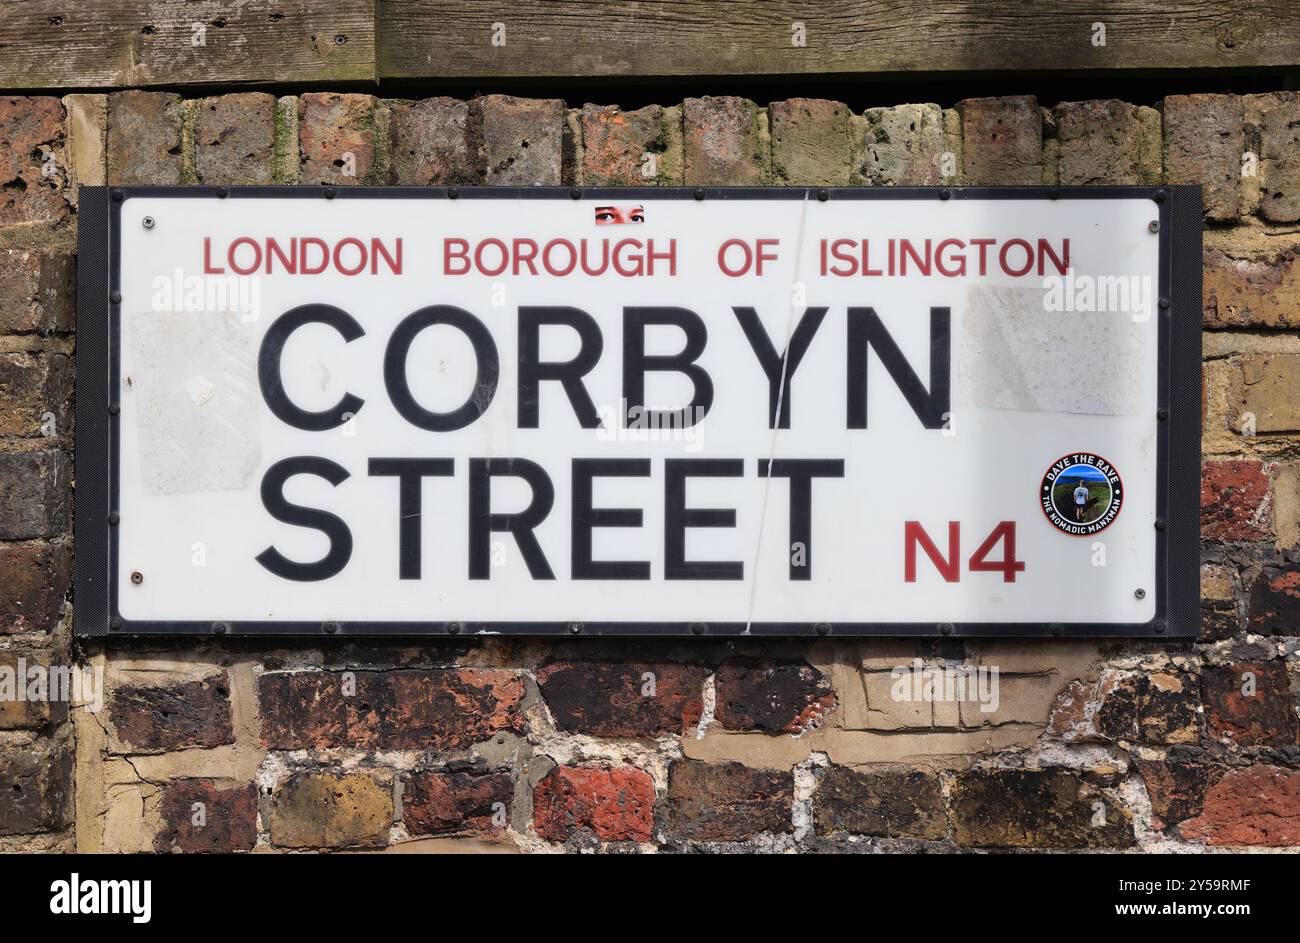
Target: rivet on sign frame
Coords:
[[1160, 524], [222, 193], [1158, 196], [118, 196], [823, 628], [115, 297], [1164, 304], [452, 193], [1162, 413], [329, 193], [945, 628], [698, 628], [575, 194], [453, 628], [220, 628], [114, 624], [575, 628], [1057, 628], [823, 196], [1159, 627], [114, 409], [945, 193], [330, 628], [114, 518], [699, 194]]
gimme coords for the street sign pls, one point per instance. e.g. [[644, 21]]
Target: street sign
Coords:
[[784, 411]]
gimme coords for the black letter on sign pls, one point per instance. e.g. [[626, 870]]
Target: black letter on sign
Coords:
[[333, 527], [569, 373], [678, 517], [410, 472], [585, 517], [866, 330], [773, 363], [482, 522], [268, 367], [636, 363], [485, 379], [801, 472]]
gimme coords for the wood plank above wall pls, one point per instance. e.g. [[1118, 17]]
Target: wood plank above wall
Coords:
[[54, 44], [140, 43], [552, 38]]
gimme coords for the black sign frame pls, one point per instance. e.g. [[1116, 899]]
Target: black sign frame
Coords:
[[1175, 209]]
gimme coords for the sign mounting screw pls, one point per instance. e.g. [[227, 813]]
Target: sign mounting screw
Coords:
[[1153, 226], [137, 577], [1140, 593], [147, 222]]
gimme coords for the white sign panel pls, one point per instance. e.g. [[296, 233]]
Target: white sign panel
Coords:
[[629, 410]]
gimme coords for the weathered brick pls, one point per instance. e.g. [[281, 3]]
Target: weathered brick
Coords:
[[1251, 292], [35, 393], [901, 146], [34, 583], [811, 142], [1266, 393], [144, 138], [1106, 142], [338, 138], [331, 810], [200, 815], [430, 143], [86, 141], [619, 698], [641, 148], [1002, 141], [893, 802], [36, 781], [1033, 808], [727, 142], [520, 141], [37, 291], [31, 695], [784, 696], [1250, 703], [31, 151], [1158, 707], [1234, 500], [36, 494], [1286, 504], [1274, 607], [1204, 142], [727, 801], [440, 802], [155, 719], [438, 709], [1279, 162], [615, 804], [234, 139], [1259, 805], [1176, 788]]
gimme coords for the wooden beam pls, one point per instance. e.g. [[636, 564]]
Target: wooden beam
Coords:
[[581, 38], [140, 43]]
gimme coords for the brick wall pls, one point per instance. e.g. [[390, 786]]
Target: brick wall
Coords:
[[499, 745]]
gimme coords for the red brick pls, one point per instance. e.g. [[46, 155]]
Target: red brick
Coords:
[[616, 804], [337, 139], [430, 143], [37, 291], [1204, 141], [34, 584], [439, 803], [1234, 500], [1252, 292], [776, 697], [144, 138], [156, 719], [617, 699], [1259, 805], [520, 141], [30, 129], [234, 139], [1265, 715], [1176, 788], [641, 148], [1274, 607], [811, 142], [225, 822], [37, 494], [727, 142], [727, 801], [408, 709], [1002, 141]]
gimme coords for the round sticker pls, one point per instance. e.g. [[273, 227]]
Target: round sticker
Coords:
[[1081, 494]]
